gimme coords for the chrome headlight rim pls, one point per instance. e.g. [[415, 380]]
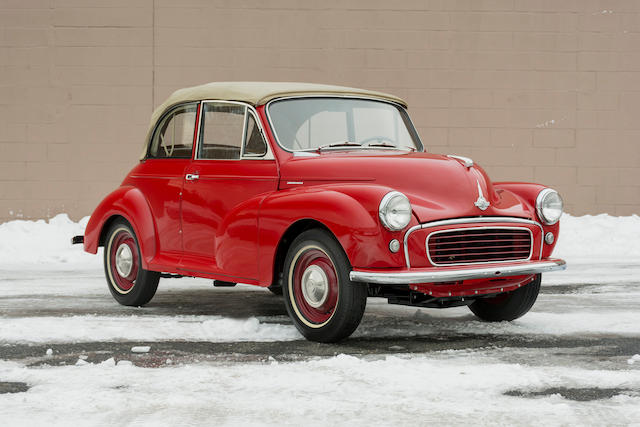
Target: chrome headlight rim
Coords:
[[540, 200], [383, 210]]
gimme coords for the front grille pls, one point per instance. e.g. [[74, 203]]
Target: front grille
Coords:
[[478, 245]]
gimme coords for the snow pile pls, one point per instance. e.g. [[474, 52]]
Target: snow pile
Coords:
[[44, 245], [33, 330], [600, 237]]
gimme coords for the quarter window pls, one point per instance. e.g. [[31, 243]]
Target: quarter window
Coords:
[[173, 137], [254, 145]]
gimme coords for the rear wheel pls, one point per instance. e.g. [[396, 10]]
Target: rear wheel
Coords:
[[128, 282], [324, 304], [508, 306]]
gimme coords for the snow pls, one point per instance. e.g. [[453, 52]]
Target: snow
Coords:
[[599, 238], [41, 245], [589, 244], [450, 387], [52, 293], [33, 330]]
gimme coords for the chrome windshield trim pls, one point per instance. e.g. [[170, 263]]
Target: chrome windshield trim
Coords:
[[451, 275], [412, 131], [472, 220]]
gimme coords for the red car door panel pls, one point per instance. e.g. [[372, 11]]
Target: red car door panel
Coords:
[[222, 191], [220, 214]]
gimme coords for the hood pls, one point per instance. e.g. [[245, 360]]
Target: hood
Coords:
[[438, 187]]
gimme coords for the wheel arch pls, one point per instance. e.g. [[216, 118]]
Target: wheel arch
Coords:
[[127, 203], [348, 211], [288, 237], [107, 225]]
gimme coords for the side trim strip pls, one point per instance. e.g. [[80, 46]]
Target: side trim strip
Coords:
[[468, 221], [449, 275]]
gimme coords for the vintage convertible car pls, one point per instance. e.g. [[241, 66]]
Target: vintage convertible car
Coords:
[[326, 195]]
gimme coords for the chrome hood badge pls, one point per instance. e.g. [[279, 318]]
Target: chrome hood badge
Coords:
[[481, 203]]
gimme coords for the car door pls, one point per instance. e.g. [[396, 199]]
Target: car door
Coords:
[[160, 177], [232, 170]]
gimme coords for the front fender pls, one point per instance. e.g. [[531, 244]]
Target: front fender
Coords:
[[528, 192], [350, 212], [128, 202]]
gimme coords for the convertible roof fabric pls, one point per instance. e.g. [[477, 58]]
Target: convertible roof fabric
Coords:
[[259, 93]]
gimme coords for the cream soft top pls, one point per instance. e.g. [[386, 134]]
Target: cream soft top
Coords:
[[258, 93]]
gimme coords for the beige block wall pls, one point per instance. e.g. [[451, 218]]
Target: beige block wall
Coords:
[[534, 90]]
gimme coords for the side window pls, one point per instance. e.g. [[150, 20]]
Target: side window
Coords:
[[254, 145], [222, 131], [173, 137]]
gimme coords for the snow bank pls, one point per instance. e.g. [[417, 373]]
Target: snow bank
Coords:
[[34, 330], [46, 245], [599, 237]]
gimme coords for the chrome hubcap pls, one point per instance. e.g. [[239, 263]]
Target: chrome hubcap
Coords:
[[124, 260], [315, 286]]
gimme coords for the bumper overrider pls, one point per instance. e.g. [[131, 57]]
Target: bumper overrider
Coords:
[[457, 273]]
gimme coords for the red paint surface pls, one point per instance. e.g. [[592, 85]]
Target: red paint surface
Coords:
[[228, 224]]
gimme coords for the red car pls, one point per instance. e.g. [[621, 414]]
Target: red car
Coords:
[[326, 195]]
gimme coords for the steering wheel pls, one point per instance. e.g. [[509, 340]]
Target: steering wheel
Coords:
[[167, 152]]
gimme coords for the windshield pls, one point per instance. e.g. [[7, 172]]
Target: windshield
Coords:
[[315, 124]]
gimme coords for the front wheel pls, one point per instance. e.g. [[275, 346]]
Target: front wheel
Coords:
[[324, 304], [128, 282], [508, 306]]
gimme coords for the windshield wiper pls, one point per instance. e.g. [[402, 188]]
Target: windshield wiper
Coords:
[[338, 144], [383, 144]]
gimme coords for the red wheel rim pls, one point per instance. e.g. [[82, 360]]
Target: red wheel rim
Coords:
[[124, 273], [320, 309]]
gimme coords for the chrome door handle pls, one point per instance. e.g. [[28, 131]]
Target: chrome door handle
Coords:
[[192, 176]]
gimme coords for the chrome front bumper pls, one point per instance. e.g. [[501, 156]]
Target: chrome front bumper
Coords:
[[454, 274]]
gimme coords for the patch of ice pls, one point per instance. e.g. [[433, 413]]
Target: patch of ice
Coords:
[[140, 349]]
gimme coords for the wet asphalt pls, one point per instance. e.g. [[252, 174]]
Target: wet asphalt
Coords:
[[589, 350]]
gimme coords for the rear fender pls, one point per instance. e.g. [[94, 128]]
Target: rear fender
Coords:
[[129, 203]]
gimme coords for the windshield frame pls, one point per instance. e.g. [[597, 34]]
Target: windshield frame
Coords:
[[401, 110]]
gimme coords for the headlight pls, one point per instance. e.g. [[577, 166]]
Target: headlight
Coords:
[[395, 211], [549, 206]]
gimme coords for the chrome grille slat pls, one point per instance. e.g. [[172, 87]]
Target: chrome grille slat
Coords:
[[476, 245]]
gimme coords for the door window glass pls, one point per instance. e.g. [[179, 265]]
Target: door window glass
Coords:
[[222, 131]]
